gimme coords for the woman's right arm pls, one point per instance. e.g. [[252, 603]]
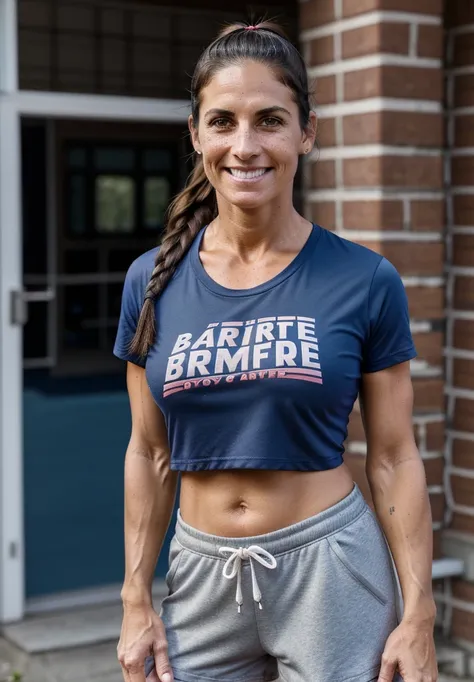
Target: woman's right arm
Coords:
[[150, 492]]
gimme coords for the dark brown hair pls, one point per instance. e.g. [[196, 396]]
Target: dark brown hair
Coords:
[[196, 205]]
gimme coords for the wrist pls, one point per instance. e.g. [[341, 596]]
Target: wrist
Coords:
[[421, 612], [136, 595]]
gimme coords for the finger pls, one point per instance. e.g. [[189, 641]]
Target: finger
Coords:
[[387, 669], [162, 664]]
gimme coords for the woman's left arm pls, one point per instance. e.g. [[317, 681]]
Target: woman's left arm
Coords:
[[397, 481]]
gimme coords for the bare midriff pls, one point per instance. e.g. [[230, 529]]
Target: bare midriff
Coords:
[[245, 502]]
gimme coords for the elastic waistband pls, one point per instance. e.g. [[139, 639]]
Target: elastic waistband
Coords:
[[279, 541]]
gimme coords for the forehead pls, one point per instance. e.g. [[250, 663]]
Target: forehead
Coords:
[[250, 84]]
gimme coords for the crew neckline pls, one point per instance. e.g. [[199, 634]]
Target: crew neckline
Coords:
[[303, 255]]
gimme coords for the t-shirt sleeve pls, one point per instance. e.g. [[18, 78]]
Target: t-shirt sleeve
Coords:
[[132, 298], [389, 339]]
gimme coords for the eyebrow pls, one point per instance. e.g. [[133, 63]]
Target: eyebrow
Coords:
[[261, 112]]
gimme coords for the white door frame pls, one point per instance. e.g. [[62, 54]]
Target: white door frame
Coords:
[[13, 105]]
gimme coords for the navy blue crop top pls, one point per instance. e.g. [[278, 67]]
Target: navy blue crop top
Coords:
[[265, 378]]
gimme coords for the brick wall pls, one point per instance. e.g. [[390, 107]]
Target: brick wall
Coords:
[[378, 177], [460, 298]]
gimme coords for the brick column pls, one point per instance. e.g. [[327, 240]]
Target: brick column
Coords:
[[459, 539], [378, 177]]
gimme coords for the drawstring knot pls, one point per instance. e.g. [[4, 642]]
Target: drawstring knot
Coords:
[[233, 567]]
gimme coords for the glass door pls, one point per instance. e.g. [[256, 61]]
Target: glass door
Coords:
[[90, 206]]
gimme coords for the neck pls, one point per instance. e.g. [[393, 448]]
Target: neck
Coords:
[[257, 230]]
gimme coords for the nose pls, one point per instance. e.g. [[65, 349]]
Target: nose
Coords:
[[246, 143]]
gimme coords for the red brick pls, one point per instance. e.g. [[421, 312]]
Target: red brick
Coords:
[[430, 41], [321, 51], [463, 373], [464, 334], [463, 250], [422, 172], [463, 49], [459, 13], [464, 415], [325, 91], [429, 394], [429, 346], [464, 293], [434, 471], [376, 38], [394, 128], [463, 590], [324, 214], [463, 490], [435, 436], [463, 210], [314, 13], [327, 132], [353, 7], [463, 131], [427, 215], [407, 82], [463, 522], [414, 259], [463, 453], [324, 174], [373, 215], [462, 624], [462, 170], [437, 507], [464, 90], [426, 303]]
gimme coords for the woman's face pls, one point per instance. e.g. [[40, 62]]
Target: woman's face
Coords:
[[249, 134]]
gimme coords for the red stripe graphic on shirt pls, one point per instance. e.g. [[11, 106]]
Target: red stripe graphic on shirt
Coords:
[[275, 373]]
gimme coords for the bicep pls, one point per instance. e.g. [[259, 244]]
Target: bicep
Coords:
[[386, 400], [149, 433]]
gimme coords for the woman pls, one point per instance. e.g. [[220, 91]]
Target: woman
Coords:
[[249, 336]]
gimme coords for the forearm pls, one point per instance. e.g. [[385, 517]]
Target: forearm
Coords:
[[150, 492], [402, 504]]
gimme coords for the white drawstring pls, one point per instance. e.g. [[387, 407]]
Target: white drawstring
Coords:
[[234, 562]]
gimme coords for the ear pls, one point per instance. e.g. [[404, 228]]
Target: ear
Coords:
[[194, 134], [309, 134]]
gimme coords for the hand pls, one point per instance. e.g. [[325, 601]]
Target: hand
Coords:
[[143, 634], [410, 649]]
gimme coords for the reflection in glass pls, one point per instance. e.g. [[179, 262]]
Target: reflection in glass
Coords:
[[114, 159], [77, 157], [157, 160], [156, 197], [115, 204], [77, 204]]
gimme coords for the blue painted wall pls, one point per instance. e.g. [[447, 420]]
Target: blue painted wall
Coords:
[[74, 447]]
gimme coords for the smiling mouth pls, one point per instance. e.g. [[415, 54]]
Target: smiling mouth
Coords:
[[247, 175]]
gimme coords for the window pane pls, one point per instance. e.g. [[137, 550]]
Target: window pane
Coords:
[[77, 158], [157, 160], [114, 204], [81, 316], [114, 159], [156, 197], [77, 204]]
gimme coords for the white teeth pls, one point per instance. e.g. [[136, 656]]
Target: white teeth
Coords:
[[247, 175]]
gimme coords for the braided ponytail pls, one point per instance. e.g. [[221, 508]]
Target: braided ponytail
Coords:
[[193, 208]]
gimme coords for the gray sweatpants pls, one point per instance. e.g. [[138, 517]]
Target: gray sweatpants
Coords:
[[313, 602]]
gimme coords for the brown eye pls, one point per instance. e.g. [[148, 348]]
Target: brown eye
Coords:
[[220, 123], [271, 122]]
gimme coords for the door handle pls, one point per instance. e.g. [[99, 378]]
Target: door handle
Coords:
[[19, 303]]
